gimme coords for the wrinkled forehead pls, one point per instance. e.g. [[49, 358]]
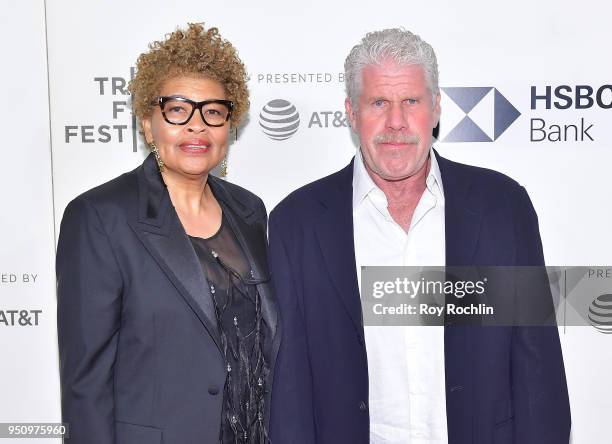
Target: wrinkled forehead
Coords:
[[394, 76]]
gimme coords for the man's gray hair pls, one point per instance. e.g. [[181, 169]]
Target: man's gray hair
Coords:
[[398, 45]]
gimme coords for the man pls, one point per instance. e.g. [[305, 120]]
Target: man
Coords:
[[399, 203]]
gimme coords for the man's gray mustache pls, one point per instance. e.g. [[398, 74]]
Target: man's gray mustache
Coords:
[[396, 138]]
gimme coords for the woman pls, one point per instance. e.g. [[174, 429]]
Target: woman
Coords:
[[167, 325]]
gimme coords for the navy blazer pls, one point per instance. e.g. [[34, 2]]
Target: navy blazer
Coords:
[[504, 385], [140, 356]]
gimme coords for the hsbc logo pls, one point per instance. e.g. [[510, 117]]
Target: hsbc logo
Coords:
[[483, 114]]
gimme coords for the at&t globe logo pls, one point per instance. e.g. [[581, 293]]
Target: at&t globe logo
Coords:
[[279, 119], [600, 313]]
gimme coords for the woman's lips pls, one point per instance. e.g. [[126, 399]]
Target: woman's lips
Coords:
[[195, 146]]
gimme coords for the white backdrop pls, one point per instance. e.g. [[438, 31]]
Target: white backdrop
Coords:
[[295, 52], [29, 385]]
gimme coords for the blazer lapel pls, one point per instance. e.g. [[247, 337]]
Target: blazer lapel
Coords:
[[162, 234], [463, 216], [336, 241]]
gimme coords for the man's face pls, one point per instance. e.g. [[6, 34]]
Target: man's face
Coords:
[[394, 119]]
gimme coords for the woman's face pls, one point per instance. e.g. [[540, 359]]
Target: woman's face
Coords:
[[193, 149]]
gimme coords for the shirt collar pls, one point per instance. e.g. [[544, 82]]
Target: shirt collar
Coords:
[[363, 184], [434, 178]]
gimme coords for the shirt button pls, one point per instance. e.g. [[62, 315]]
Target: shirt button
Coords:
[[213, 390], [363, 406]]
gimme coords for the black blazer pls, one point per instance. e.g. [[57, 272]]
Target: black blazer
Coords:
[[504, 385], [140, 357]]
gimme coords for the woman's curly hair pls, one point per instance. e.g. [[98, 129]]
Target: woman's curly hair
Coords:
[[195, 51]]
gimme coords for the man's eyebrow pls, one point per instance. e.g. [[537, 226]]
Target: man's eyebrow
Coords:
[[374, 98]]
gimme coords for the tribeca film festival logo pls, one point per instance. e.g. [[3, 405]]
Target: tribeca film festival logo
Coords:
[[122, 127], [279, 119]]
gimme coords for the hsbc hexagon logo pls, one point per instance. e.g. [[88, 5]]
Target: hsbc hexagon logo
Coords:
[[486, 114]]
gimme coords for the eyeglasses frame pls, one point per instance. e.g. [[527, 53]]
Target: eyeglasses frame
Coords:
[[161, 100]]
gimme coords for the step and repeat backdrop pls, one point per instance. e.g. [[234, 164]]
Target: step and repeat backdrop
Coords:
[[526, 90]]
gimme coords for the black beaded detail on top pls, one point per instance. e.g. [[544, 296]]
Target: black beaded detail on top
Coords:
[[243, 332]]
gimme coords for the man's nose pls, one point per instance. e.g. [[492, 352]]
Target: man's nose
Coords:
[[396, 118]]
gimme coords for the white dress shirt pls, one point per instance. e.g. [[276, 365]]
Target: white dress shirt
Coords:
[[405, 364]]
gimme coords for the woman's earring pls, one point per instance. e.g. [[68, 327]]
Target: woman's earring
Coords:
[[160, 162], [223, 169]]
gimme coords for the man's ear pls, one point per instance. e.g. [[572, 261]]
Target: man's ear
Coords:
[[437, 110], [350, 112]]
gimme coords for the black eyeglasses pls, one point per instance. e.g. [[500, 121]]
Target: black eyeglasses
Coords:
[[179, 110]]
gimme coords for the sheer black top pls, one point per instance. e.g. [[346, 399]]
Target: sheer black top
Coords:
[[243, 333]]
